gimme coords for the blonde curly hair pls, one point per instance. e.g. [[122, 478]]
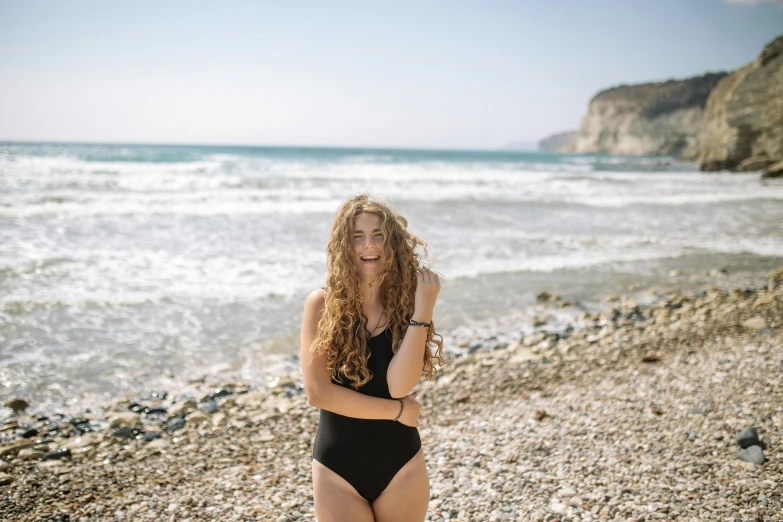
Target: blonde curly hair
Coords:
[[339, 334]]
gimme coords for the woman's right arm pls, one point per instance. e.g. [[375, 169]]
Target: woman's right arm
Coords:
[[324, 394]]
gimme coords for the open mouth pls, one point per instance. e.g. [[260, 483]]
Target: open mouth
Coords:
[[370, 260]]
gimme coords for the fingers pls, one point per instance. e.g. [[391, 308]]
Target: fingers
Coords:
[[426, 275]]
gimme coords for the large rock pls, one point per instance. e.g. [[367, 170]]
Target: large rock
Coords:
[[751, 164], [647, 119], [743, 120], [774, 171]]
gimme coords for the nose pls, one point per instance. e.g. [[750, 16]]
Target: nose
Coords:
[[370, 241]]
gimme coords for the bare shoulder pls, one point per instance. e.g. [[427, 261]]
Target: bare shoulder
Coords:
[[314, 309], [316, 299], [314, 304]]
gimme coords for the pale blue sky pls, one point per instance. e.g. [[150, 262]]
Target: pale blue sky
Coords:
[[424, 74]]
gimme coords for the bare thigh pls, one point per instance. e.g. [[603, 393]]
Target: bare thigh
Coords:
[[335, 499], [407, 496]]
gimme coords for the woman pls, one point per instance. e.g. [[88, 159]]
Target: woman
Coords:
[[365, 342]]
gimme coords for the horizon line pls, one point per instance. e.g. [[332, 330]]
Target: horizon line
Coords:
[[507, 148]]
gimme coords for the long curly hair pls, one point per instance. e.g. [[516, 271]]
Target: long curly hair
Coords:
[[339, 335]]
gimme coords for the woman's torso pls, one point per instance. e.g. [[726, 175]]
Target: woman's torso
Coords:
[[339, 430]]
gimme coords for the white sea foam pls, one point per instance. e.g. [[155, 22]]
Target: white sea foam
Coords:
[[114, 265]]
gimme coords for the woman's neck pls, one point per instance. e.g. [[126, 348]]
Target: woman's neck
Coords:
[[371, 295]]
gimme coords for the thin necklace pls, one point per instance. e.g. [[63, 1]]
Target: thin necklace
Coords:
[[379, 321]]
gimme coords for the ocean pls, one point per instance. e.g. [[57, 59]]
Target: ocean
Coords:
[[129, 268]]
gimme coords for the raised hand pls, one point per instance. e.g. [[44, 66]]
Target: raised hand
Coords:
[[427, 289]]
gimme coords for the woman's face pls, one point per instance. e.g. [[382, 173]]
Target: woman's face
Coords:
[[368, 243]]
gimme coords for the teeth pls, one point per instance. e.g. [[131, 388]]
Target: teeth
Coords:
[[370, 258]]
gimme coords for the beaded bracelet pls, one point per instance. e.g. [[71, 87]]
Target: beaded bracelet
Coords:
[[416, 323], [402, 405]]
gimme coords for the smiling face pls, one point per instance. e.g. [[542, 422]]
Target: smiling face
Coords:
[[368, 243]]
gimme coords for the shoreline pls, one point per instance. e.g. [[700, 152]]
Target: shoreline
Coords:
[[523, 316], [550, 316], [238, 452]]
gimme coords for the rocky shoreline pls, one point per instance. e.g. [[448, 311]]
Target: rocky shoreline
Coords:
[[634, 413]]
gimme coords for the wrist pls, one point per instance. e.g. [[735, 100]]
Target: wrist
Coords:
[[422, 317], [399, 413], [393, 409]]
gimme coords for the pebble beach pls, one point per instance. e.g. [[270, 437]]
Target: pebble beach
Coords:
[[668, 411]]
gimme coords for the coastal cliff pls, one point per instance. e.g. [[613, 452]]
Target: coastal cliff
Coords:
[[560, 142], [725, 121], [743, 122], [648, 119]]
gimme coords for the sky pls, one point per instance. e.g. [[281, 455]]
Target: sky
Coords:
[[406, 74]]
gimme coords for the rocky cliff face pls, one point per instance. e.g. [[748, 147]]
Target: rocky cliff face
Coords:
[[743, 122], [560, 142], [648, 119]]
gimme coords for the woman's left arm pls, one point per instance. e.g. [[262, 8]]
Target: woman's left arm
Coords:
[[407, 364]]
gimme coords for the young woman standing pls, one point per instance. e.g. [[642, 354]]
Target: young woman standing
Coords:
[[366, 340]]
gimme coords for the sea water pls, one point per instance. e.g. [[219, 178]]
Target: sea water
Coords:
[[129, 267]]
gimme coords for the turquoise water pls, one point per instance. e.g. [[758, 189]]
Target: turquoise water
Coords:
[[125, 267]]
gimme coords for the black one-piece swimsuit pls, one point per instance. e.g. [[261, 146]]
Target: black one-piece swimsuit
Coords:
[[367, 453]]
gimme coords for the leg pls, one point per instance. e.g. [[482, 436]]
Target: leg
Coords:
[[335, 499], [407, 496]]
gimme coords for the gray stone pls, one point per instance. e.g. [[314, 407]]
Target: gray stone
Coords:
[[151, 435], [175, 423], [57, 454], [748, 437], [752, 454]]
